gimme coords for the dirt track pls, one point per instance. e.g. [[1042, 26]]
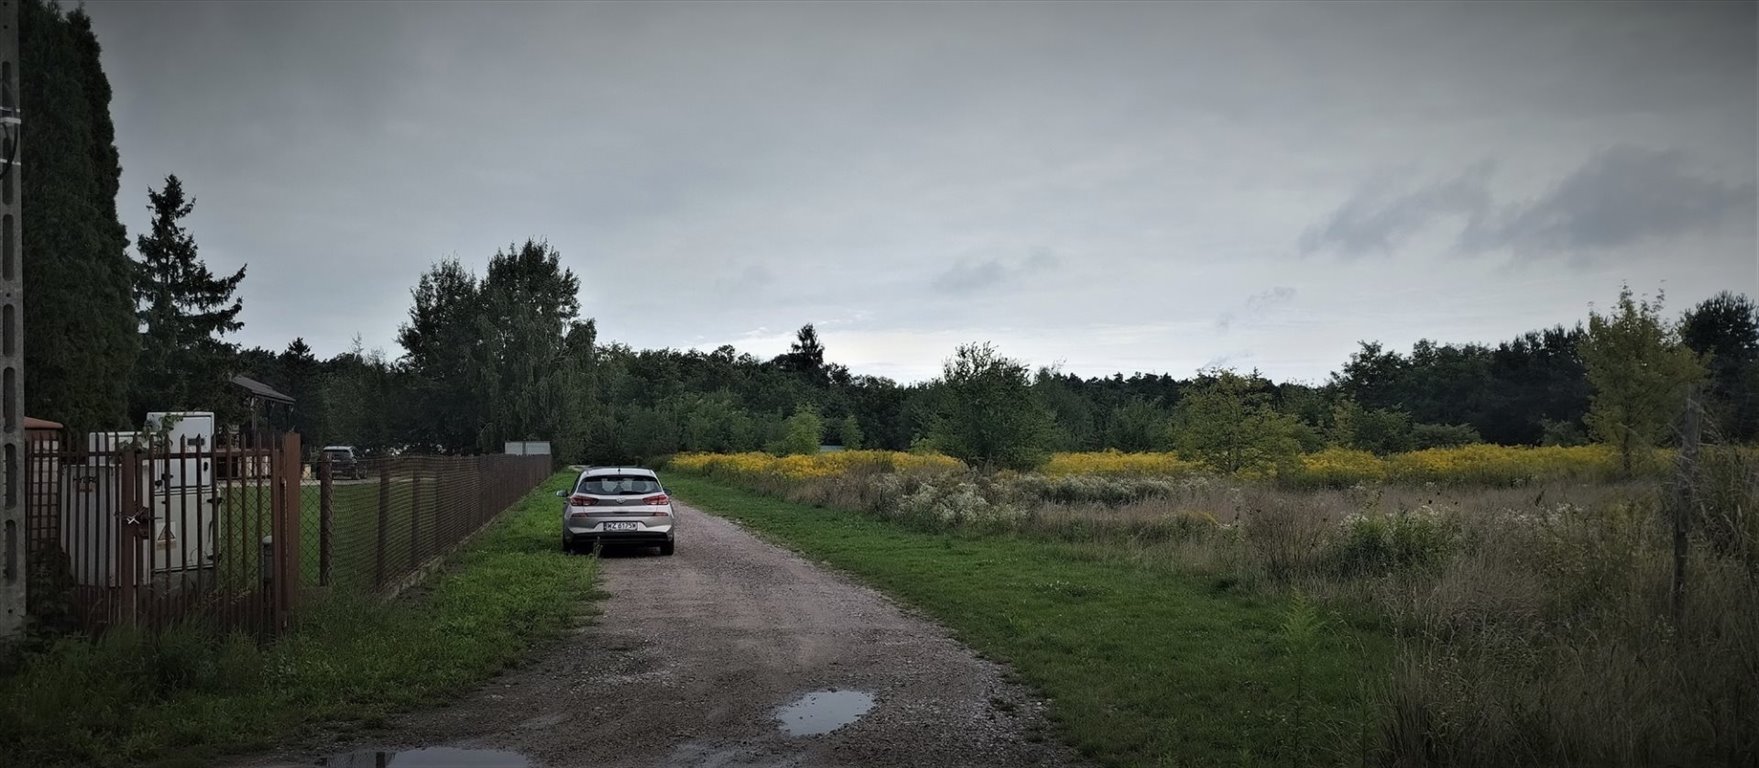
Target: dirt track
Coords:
[[694, 654]]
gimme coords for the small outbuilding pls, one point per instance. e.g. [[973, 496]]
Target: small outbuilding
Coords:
[[263, 401]]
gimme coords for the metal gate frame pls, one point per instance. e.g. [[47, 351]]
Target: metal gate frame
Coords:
[[235, 578]]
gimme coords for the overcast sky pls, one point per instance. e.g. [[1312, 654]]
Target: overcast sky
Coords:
[[1141, 187]]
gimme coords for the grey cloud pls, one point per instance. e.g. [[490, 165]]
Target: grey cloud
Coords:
[[968, 276], [1623, 196], [1377, 220], [1257, 305], [1270, 299], [754, 277]]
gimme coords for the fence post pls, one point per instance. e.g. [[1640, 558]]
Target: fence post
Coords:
[[384, 519], [415, 515], [275, 548], [441, 525], [482, 492], [325, 500], [124, 526], [1685, 488], [293, 503]]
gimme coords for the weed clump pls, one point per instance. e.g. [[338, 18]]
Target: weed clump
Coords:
[[1378, 544]]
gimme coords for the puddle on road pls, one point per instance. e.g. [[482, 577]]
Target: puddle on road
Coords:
[[823, 711], [428, 757]]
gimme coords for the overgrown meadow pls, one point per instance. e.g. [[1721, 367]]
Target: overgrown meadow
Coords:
[[1528, 591]]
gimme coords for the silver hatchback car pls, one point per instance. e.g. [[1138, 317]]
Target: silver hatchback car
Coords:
[[617, 505]]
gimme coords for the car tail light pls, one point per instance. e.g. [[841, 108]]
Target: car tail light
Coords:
[[657, 499], [581, 500]]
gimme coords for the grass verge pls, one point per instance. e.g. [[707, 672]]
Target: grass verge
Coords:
[[183, 696], [1143, 667]]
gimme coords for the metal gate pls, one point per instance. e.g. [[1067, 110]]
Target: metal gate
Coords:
[[135, 529]]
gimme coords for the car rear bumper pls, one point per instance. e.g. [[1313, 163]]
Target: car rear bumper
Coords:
[[577, 533], [619, 537], [583, 541]]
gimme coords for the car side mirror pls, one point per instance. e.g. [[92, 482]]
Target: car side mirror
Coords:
[[561, 494]]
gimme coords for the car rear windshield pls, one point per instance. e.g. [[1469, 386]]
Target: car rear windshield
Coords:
[[618, 485], [338, 454]]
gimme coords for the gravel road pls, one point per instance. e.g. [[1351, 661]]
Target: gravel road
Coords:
[[695, 653]]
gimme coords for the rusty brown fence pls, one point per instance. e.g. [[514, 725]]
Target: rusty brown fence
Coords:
[[128, 530]]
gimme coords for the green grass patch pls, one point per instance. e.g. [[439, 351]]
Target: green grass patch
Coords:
[[1144, 667], [410, 532], [183, 696]]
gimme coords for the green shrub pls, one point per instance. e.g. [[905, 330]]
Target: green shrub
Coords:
[[1425, 436], [1375, 544], [801, 434], [988, 415], [849, 433]]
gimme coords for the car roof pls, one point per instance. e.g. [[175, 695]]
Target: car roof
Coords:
[[601, 471], [338, 448]]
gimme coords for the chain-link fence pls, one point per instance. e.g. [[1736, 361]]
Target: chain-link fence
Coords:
[[371, 526]]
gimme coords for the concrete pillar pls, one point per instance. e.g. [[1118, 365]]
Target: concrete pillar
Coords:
[[13, 545]]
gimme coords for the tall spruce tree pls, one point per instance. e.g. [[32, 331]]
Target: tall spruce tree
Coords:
[[299, 373], [806, 356], [79, 327], [184, 310]]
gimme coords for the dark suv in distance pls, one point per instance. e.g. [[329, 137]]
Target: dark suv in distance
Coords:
[[344, 465]]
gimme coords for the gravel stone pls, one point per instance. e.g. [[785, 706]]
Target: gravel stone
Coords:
[[694, 654]]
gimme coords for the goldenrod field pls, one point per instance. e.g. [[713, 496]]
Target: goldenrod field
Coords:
[[754, 465], [1493, 465]]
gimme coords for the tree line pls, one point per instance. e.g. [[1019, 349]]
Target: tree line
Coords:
[[508, 355]]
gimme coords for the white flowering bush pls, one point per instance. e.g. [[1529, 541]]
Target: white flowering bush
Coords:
[[957, 504], [1077, 489]]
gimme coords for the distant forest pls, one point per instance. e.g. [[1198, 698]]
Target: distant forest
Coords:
[[469, 378], [506, 355]]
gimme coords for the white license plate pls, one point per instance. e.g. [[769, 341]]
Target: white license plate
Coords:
[[621, 526]]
